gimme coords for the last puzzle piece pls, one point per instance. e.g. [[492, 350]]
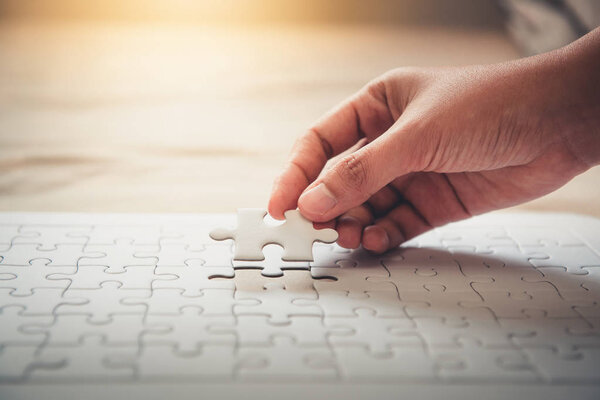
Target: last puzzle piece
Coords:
[[296, 235]]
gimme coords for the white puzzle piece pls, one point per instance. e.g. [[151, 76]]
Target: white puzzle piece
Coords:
[[258, 330], [285, 359], [64, 255], [296, 235], [209, 364], [33, 276], [375, 333], [48, 237], [187, 331], [194, 277], [118, 255], [471, 359], [90, 360]]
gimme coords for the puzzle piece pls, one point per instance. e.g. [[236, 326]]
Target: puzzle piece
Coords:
[[512, 256], [435, 301], [439, 334], [285, 359], [589, 311], [195, 236], [8, 232], [42, 302], [23, 280], [64, 255], [170, 301], [48, 237], [188, 331], [592, 283], [171, 255], [296, 235], [352, 268], [69, 330], [411, 269], [327, 256], [11, 322], [506, 278], [503, 305], [134, 277], [211, 362], [534, 236], [276, 302], [343, 304], [194, 277], [101, 304], [430, 239], [402, 364], [91, 359], [582, 368], [216, 255], [351, 277], [14, 362], [470, 360], [108, 235], [480, 239], [573, 258], [256, 330], [564, 335], [571, 287], [366, 329], [119, 255]]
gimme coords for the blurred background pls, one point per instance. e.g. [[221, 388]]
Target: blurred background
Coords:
[[192, 106]]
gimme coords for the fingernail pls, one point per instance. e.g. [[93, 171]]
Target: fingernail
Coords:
[[318, 200]]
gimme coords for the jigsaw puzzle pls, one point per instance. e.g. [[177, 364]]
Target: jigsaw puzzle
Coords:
[[498, 299], [296, 235]]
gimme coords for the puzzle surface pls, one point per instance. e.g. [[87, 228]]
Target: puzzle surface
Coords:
[[124, 298]]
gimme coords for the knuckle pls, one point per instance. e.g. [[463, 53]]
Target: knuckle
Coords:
[[402, 73], [353, 172]]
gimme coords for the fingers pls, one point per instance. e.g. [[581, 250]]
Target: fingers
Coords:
[[350, 226], [356, 178], [399, 225], [365, 114], [384, 200], [427, 200]]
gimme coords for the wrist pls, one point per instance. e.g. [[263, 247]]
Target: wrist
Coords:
[[578, 119]]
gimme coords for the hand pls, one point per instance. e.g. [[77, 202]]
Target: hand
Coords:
[[433, 146]]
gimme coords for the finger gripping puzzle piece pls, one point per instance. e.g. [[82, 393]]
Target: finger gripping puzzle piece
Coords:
[[296, 235]]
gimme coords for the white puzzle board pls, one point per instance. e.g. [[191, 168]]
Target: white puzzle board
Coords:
[[91, 301]]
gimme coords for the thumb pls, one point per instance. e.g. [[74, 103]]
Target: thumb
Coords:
[[356, 177]]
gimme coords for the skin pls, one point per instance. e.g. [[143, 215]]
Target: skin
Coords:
[[418, 148]]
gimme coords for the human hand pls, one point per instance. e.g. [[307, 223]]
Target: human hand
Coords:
[[433, 146]]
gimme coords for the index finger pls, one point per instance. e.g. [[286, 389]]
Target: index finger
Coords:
[[363, 115]]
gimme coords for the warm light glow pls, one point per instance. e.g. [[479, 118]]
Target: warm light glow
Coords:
[[475, 13]]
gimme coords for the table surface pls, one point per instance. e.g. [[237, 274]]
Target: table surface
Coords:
[[160, 118]]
